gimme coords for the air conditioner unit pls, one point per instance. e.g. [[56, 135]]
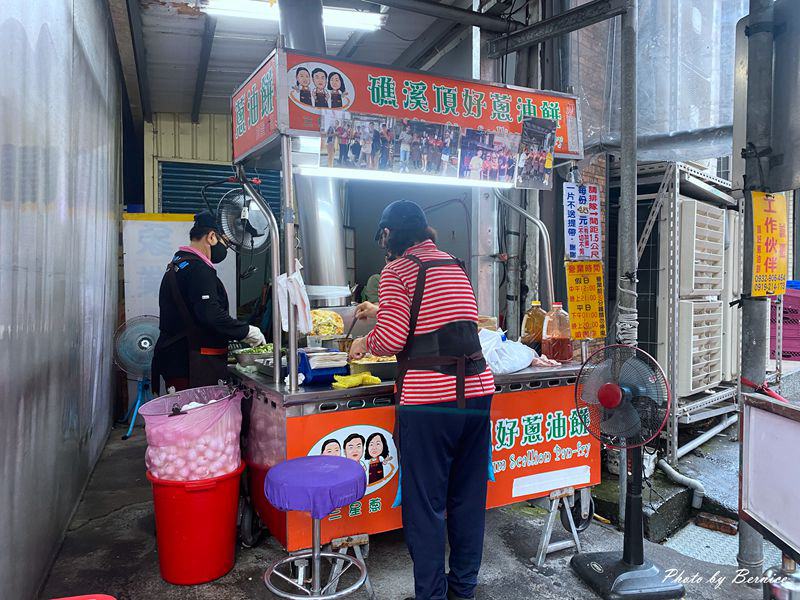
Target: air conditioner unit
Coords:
[[699, 357], [702, 249]]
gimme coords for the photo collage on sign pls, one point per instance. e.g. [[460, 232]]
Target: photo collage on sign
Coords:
[[488, 155], [535, 159]]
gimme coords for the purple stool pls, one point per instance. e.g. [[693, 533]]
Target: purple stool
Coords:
[[319, 485]]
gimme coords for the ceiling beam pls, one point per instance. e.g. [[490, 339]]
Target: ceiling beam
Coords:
[[560, 24], [122, 33], [202, 67], [441, 35], [135, 15], [452, 13], [352, 44]]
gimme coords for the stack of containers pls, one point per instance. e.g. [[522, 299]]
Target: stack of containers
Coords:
[[700, 314], [194, 465], [791, 325]]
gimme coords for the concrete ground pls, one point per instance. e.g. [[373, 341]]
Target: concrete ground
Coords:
[[110, 548]]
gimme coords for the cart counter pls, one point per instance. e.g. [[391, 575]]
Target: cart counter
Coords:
[[539, 445]]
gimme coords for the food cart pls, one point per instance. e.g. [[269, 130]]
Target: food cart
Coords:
[[539, 445]]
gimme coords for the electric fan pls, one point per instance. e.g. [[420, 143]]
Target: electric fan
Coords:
[[623, 400], [243, 225], [134, 342]]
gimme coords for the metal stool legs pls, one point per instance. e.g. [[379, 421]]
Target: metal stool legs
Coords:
[[317, 591]]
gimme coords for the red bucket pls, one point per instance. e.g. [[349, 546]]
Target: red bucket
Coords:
[[196, 527]]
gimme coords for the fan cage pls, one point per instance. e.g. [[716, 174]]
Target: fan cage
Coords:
[[230, 205], [592, 414]]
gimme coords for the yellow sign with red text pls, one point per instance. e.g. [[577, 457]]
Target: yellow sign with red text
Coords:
[[587, 311], [770, 244]]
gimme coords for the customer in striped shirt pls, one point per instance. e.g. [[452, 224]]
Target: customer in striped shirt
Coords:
[[427, 316]]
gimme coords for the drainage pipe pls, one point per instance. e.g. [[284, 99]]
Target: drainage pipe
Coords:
[[698, 491], [704, 437]]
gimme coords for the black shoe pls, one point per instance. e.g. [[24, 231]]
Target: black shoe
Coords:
[[452, 596]]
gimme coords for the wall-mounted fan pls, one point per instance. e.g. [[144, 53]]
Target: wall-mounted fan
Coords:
[[134, 343], [623, 399], [242, 220], [244, 227]]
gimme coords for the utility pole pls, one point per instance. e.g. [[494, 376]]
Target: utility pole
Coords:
[[627, 321], [755, 311]]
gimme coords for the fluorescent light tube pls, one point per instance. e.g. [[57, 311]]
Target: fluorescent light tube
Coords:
[[389, 176], [331, 17]]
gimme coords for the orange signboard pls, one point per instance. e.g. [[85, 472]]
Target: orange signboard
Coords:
[[349, 433], [313, 85], [770, 233], [587, 311], [254, 111], [538, 444]]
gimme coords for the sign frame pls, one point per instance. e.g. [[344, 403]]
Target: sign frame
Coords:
[[282, 102]]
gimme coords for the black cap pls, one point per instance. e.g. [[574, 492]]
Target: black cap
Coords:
[[205, 219], [401, 214]]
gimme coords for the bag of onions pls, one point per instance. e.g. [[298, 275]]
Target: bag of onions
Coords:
[[193, 434]]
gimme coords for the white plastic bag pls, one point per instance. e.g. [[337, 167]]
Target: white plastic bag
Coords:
[[503, 355], [293, 289]]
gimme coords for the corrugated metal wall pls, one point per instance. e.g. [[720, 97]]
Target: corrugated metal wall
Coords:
[[173, 137], [59, 195], [180, 184]]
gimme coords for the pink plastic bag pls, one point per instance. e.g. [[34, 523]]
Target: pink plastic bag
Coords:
[[198, 444]]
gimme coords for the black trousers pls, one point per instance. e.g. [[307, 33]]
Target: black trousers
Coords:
[[444, 458]]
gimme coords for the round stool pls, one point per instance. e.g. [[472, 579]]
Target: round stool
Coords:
[[319, 485]]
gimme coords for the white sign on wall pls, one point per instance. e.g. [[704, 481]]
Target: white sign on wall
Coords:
[[582, 237], [149, 242]]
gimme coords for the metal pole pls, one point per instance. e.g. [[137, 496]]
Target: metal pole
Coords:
[[627, 323], [755, 311], [288, 232], [545, 237], [275, 266], [316, 562]]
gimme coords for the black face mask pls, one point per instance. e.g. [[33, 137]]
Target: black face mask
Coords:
[[218, 252]]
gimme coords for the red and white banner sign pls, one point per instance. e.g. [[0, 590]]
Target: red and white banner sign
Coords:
[[303, 85]]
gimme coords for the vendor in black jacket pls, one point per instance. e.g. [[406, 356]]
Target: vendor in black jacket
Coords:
[[192, 349]]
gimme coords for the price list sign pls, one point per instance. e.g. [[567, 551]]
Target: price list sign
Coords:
[[587, 311], [582, 240], [770, 263]]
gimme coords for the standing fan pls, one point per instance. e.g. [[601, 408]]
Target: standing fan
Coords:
[[623, 400], [134, 342]]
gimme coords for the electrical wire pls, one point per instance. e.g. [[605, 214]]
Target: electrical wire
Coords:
[[399, 37]]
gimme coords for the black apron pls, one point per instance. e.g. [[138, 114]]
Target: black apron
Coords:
[[207, 366], [453, 349]]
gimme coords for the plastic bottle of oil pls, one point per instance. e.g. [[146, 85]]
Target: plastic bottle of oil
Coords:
[[556, 337], [532, 324]]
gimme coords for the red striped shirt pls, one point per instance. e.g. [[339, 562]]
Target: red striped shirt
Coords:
[[448, 297]]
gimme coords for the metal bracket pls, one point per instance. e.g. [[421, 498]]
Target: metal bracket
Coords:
[[565, 496], [360, 546]]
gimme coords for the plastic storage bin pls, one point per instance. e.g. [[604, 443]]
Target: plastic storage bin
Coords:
[[196, 527]]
